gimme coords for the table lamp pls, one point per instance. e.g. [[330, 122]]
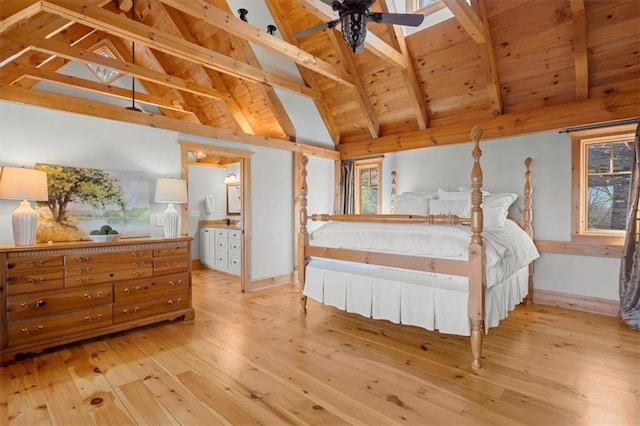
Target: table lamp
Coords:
[[171, 191], [18, 183]]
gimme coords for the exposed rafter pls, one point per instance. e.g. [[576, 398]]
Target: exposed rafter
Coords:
[[411, 82], [580, 49], [309, 78], [488, 57], [200, 9], [120, 26]]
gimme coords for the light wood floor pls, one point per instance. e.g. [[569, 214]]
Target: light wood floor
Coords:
[[251, 359]]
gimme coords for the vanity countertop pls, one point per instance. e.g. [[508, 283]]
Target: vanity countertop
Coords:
[[219, 223]]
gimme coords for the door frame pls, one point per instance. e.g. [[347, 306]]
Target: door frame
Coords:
[[245, 210]]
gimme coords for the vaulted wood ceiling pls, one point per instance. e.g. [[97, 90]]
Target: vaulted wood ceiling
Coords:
[[513, 66]]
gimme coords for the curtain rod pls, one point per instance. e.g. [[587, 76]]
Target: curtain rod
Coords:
[[601, 125]]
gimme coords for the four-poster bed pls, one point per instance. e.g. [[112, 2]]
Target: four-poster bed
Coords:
[[336, 267]]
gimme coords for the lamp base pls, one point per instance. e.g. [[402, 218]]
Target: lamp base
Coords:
[[24, 220], [171, 222]]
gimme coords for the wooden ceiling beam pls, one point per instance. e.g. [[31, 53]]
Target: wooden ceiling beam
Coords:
[[113, 112], [408, 74], [361, 97], [224, 20], [178, 27], [488, 61], [74, 54], [618, 106], [580, 52], [98, 88], [469, 20], [123, 27], [279, 16], [18, 16], [373, 43], [271, 97]]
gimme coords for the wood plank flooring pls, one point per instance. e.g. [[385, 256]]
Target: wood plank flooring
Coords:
[[252, 359]]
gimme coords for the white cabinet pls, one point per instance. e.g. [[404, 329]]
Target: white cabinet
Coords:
[[221, 249]]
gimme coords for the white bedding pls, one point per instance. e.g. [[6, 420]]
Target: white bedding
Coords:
[[507, 249]]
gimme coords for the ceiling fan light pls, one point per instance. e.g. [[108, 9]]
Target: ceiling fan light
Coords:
[[354, 29]]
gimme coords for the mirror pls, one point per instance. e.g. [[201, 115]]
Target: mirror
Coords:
[[234, 198]]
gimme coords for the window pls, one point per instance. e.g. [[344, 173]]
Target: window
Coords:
[[602, 162], [368, 185], [426, 6], [104, 74]]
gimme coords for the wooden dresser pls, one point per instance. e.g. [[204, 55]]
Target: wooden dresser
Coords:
[[65, 292]]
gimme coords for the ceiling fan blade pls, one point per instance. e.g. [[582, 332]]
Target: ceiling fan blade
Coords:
[[317, 28], [408, 19]]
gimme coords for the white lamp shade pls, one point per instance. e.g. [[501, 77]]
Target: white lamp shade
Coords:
[[17, 183], [171, 191]]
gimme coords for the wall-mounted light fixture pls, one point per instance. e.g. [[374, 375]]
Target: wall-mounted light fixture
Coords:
[[17, 183], [231, 178], [171, 191], [243, 14]]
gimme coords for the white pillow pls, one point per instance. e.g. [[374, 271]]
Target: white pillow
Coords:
[[453, 195], [460, 207], [421, 194], [495, 208], [407, 204]]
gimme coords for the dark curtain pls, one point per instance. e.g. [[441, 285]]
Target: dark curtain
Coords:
[[348, 189], [630, 265]]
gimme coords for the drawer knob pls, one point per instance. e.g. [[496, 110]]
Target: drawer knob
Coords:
[[134, 310], [32, 263], [85, 269], [33, 330], [173, 302], [39, 304], [137, 253], [97, 318], [35, 281], [83, 280], [131, 290], [137, 273], [170, 264], [175, 283], [82, 258]]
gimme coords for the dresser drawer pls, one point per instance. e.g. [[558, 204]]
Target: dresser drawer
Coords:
[[100, 268], [25, 281], [67, 323], [22, 263], [171, 251], [171, 264], [221, 233], [222, 244], [234, 245], [30, 305], [234, 265], [135, 310], [235, 234], [114, 274], [83, 259], [143, 289]]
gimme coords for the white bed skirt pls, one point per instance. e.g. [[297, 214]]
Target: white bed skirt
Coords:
[[431, 301]]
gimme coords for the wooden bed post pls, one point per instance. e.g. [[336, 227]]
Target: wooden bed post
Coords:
[[527, 219], [393, 191], [303, 235], [476, 305]]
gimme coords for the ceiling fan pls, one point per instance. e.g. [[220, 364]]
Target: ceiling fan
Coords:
[[354, 16]]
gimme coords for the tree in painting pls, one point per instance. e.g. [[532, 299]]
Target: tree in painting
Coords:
[[90, 186]]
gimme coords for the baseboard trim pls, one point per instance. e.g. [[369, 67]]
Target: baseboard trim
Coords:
[[272, 281], [576, 302]]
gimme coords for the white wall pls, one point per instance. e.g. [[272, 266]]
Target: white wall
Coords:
[[30, 135], [502, 163]]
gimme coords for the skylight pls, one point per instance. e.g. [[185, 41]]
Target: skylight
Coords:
[[102, 73]]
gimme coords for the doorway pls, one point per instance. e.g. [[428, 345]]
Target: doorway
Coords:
[[238, 218]]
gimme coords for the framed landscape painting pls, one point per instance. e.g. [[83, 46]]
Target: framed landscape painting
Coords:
[[82, 200]]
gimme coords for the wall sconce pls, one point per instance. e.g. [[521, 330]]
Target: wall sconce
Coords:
[[231, 178], [243, 14], [18, 183], [171, 191], [271, 29]]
